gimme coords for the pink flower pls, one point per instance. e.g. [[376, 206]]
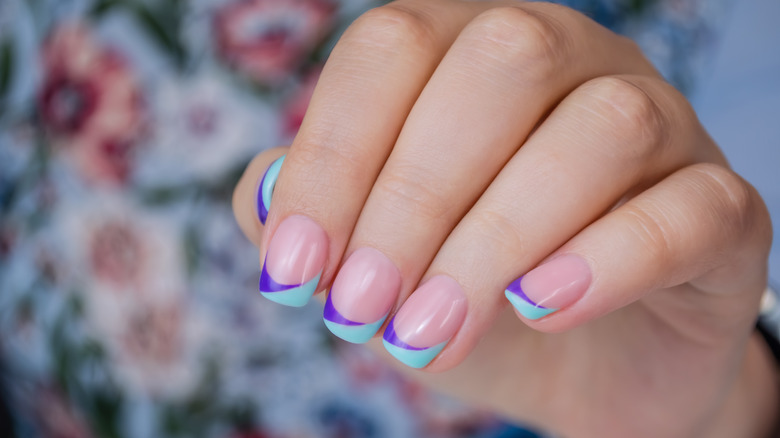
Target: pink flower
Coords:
[[267, 39], [116, 253], [114, 248], [154, 347], [153, 335], [90, 103]]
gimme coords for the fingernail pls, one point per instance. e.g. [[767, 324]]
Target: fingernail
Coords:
[[550, 287], [265, 189], [362, 294], [294, 261], [426, 322]]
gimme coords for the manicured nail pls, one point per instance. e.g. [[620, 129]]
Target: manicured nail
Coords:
[[550, 287], [265, 189], [294, 261], [362, 294], [426, 322]]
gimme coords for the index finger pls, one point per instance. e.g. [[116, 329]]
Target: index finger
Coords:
[[366, 90]]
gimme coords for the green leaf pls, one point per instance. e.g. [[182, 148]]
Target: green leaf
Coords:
[[638, 6], [162, 195], [242, 414], [103, 7], [191, 249], [92, 351], [6, 68], [106, 411], [164, 33], [170, 12]]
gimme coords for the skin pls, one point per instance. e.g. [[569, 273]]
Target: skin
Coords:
[[478, 139]]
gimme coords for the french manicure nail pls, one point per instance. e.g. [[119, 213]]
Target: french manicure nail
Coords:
[[265, 189], [550, 287], [294, 261], [426, 322], [362, 294]]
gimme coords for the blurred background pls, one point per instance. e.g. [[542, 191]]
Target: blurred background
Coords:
[[738, 100], [128, 304]]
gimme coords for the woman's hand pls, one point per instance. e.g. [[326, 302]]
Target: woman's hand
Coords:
[[459, 156]]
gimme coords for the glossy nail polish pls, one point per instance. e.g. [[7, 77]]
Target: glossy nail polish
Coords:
[[265, 189], [294, 261], [362, 294], [550, 287], [426, 322]]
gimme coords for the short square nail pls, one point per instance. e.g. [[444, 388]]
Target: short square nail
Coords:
[[361, 297], [550, 287], [426, 322], [265, 188], [294, 261]]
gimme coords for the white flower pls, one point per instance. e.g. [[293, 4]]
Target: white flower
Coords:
[[202, 129]]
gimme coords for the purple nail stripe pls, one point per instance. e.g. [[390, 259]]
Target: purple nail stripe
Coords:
[[392, 338], [516, 289], [331, 314], [262, 212], [268, 284]]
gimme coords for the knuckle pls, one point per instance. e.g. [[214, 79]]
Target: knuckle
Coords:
[[630, 114], [408, 192], [521, 38], [499, 230], [656, 236], [732, 197], [329, 148], [393, 26], [329, 153]]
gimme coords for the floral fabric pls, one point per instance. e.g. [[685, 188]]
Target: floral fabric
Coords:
[[128, 304]]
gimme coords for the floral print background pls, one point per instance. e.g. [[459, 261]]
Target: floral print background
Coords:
[[127, 293]]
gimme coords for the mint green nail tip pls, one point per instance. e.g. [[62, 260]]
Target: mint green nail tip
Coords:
[[297, 296], [527, 309], [271, 175], [356, 334], [414, 358]]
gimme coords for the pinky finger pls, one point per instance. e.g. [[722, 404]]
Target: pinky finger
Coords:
[[703, 224]]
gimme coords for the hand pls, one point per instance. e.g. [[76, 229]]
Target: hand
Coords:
[[457, 156]]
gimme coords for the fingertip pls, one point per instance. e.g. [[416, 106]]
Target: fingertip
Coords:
[[426, 323]]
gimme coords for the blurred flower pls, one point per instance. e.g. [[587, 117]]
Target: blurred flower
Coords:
[[151, 350], [153, 334], [90, 103], [268, 39], [128, 263], [201, 118], [116, 252]]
